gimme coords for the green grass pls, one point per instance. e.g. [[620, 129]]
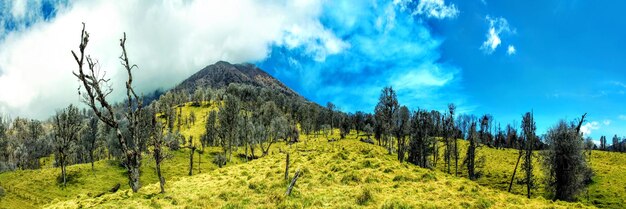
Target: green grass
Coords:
[[607, 191], [342, 174], [335, 175]]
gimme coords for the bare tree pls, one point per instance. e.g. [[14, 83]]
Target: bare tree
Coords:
[[470, 159], [67, 125], [157, 151], [96, 89], [528, 128]]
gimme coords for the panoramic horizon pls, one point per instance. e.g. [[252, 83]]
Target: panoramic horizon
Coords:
[[387, 104]]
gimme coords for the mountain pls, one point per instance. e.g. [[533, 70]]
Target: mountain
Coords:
[[222, 73]]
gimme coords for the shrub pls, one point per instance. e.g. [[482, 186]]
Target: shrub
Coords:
[[365, 197], [219, 160], [350, 178], [172, 140]]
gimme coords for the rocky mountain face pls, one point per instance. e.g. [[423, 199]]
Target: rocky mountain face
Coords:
[[222, 73]]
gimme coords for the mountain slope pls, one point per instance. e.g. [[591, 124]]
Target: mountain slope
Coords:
[[343, 174], [222, 73]]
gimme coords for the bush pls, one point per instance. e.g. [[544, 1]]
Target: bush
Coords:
[[219, 160], [172, 140], [2, 192], [365, 197], [350, 178]]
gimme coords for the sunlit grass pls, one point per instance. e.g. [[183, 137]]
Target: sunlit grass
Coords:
[[342, 174]]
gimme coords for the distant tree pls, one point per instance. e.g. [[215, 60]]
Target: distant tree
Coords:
[[269, 113], [385, 111], [359, 121], [210, 127], [603, 143], [67, 126], [89, 139], [451, 148], [96, 89], [246, 131], [421, 144], [564, 161], [616, 147], [198, 97], [344, 125], [192, 117], [228, 116], [330, 107], [402, 129], [368, 130], [192, 150], [470, 157], [528, 130]]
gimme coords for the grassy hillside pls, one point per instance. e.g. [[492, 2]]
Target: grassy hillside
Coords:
[[607, 189], [343, 174]]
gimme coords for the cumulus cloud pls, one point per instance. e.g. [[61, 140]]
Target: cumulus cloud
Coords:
[[588, 127], [511, 50], [497, 27], [429, 8], [606, 122], [168, 40], [398, 50]]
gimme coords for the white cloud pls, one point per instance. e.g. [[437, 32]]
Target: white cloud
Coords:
[[497, 27], [511, 50], [606, 122], [168, 40], [588, 127], [430, 8], [622, 117]]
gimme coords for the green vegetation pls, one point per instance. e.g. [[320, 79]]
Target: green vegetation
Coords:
[[338, 174]]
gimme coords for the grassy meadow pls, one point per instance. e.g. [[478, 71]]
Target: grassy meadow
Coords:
[[343, 174]]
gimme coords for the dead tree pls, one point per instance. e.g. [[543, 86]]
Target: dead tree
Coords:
[[94, 95], [157, 152], [293, 183], [287, 167], [192, 149]]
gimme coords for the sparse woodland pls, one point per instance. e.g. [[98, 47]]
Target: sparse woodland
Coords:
[[241, 124]]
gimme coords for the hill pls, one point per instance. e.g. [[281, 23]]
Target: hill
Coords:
[[342, 174], [221, 74], [347, 173]]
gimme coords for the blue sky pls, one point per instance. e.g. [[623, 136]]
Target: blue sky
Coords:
[[557, 58], [568, 60]]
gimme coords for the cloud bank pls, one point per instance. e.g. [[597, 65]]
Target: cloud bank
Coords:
[[386, 44], [168, 40]]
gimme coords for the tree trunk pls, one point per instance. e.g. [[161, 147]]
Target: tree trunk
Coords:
[[160, 176], [191, 161], [91, 159], [62, 159], [293, 183], [199, 163], [133, 176], [287, 168], [515, 170], [456, 158]]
